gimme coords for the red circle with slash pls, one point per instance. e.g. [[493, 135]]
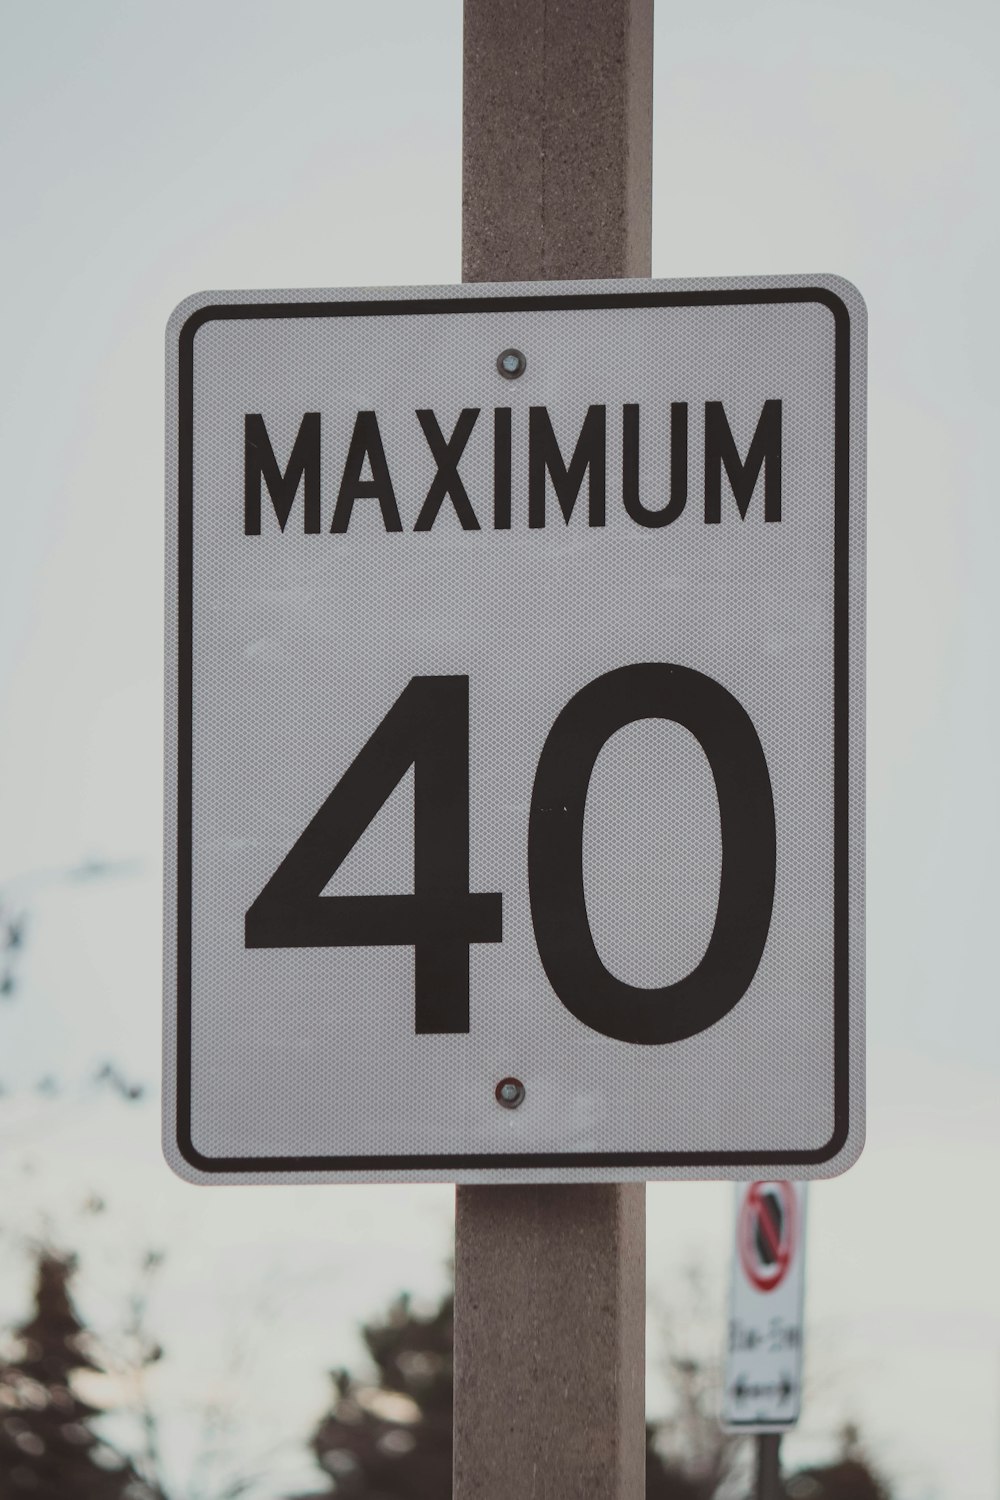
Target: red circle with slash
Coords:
[[767, 1232]]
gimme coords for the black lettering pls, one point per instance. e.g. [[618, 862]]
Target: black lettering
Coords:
[[678, 467], [765, 452], [544, 458], [260, 464], [446, 482], [366, 443], [575, 969], [501, 469], [426, 728]]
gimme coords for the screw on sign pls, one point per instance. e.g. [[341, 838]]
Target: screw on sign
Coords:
[[767, 1234]]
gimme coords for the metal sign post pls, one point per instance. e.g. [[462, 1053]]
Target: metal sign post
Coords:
[[550, 1280], [767, 1484]]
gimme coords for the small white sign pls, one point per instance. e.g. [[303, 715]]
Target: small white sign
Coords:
[[763, 1384]]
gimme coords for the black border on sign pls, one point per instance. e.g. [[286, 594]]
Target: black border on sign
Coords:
[[517, 302]]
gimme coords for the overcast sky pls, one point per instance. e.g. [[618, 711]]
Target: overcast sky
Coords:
[[149, 151]]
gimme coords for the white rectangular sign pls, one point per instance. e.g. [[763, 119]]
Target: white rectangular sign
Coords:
[[763, 1381], [515, 725]]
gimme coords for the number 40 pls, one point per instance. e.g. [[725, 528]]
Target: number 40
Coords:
[[428, 728]]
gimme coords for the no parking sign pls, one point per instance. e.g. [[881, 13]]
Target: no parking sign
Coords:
[[763, 1383]]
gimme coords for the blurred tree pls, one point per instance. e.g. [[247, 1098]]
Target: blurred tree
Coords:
[[703, 1460], [392, 1436], [12, 929], [850, 1477], [48, 1448]]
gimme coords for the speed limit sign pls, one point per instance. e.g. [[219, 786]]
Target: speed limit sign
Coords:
[[515, 722]]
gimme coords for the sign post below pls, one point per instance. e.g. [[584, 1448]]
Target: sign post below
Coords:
[[768, 1477], [550, 1279]]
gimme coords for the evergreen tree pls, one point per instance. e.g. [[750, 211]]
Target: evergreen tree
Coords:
[[48, 1448], [392, 1438]]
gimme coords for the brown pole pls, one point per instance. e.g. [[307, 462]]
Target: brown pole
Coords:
[[767, 1485], [557, 142], [550, 1281]]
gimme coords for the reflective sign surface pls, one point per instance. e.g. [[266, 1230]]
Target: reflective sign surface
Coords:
[[515, 732]]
